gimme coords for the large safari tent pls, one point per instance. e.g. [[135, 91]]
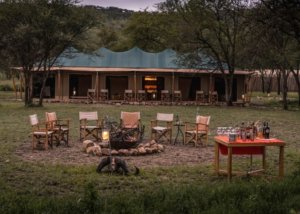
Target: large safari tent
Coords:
[[75, 72]]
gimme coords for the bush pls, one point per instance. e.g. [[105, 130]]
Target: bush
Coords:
[[242, 197], [6, 87]]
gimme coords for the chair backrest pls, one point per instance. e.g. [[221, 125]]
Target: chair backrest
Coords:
[[164, 91], [51, 116], [91, 91], [141, 91], [104, 90], [203, 122], [130, 119], [128, 91], [199, 92], [177, 92], [92, 115], [165, 117], [33, 119]]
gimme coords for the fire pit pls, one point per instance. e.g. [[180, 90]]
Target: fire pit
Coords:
[[124, 138], [123, 141]]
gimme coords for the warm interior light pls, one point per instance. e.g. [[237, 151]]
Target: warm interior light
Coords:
[[150, 78], [105, 135]]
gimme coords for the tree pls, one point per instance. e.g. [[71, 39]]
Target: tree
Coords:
[[286, 12], [152, 31], [37, 32], [216, 28], [276, 17]]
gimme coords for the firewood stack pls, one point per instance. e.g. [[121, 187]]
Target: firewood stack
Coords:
[[102, 149]]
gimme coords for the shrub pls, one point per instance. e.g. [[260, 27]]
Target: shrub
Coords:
[[6, 87]]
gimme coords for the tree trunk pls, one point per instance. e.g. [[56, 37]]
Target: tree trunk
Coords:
[[270, 85], [285, 89], [297, 79], [270, 82], [228, 89], [46, 75], [262, 81], [28, 88], [278, 82]]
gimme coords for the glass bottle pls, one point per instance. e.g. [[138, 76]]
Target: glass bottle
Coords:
[[267, 131], [264, 129]]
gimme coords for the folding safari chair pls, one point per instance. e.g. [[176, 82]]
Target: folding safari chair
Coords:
[[90, 125], [193, 132], [60, 127], [159, 131], [40, 133]]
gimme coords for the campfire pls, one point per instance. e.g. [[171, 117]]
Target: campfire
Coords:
[[123, 141]]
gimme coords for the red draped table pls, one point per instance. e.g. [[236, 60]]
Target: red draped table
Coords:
[[246, 147]]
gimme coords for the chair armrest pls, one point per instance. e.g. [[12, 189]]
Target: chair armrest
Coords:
[[170, 124], [63, 122], [83, 122], [100, 123], [188, 126], [153, 123]]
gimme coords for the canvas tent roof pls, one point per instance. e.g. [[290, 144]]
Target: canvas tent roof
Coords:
[[133, 58]]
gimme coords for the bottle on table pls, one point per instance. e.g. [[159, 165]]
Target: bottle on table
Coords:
[[252, 132], [267, 131], [264, 129], [259, 129], [243, 132]]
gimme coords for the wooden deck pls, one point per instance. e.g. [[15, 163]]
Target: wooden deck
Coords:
[[123, 102]]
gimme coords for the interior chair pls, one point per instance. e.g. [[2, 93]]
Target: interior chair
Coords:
[[161, 127], [40, 133], [193, 132], [90, 125], [60, 127]]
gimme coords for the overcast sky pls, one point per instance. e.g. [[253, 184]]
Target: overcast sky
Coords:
[[126, 4]]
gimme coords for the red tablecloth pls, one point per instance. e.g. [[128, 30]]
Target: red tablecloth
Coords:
[[251, 150], [243, 150]]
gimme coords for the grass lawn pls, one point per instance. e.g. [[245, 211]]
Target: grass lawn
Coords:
[[57, 188]]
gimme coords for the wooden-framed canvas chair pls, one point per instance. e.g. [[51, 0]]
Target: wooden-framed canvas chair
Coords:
[[177, 96], [141, 95], [103, 94], [165, 96], [193, 132], [60, 127], [90, 125], [41, 134], [130, 123], [128, 95], [130, 120], [200, 98], [213, 97], [161, 127], [91, 95]]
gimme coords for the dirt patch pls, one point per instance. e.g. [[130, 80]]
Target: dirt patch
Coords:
[[73, 155]]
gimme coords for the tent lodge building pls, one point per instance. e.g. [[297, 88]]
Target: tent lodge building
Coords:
[[75, 73]]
